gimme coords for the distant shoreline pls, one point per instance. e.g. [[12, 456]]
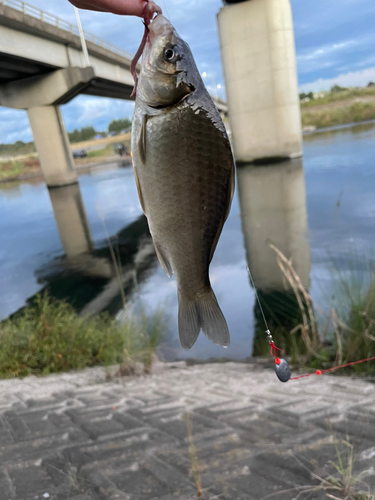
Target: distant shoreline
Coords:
[[354, 105], [104, 162], [333, 128], [99, 152]]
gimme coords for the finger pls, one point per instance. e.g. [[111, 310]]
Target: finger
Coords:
[[85, 6], [150, 9], [122, 7]]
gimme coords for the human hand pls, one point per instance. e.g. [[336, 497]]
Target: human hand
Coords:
[[141, 8], [122, 7]]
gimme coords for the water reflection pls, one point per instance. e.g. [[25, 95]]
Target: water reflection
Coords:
[[69, 254], [273, 210], [269, 205], [71, 220], [89, 281]]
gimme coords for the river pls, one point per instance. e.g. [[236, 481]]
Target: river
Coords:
[[319, 210]]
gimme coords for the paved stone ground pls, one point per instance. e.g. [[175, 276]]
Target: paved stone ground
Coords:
[[78, 437]]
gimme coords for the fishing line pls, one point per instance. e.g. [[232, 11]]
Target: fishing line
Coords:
[[320, 372], [166, 10], [281, 365], [257, 297]]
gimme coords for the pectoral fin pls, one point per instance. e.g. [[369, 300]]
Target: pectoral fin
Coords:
[[142, 140]]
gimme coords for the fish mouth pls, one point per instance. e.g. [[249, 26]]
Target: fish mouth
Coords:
[[158, 27]]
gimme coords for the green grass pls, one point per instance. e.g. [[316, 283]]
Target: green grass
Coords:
[[313, 337], [356, 112], [350, 325], [354, 301], [48, 337], [10, 169], [346, 94], [344, 482], [348, 112], [107, 151]]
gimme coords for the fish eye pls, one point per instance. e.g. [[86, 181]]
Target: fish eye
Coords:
[[169, 54]]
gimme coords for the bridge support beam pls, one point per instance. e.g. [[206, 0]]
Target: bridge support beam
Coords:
[[258, 54], [53, 146]]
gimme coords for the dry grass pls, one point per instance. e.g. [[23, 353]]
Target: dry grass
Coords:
[[350, 113], [308, 327], [193, 455], [352, 332], [337, 97], [344, 486]]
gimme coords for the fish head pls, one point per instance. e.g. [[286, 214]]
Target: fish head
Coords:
[[168, 71]]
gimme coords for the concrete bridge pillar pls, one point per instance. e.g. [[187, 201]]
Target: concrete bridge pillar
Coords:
[[258, 54], [41, 96], [52, 144]]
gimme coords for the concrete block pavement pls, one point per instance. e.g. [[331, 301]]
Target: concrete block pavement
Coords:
[[78, 436]]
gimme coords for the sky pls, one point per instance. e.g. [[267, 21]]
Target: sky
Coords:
[[335, 44]]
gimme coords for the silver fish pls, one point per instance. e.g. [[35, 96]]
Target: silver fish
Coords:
[[184, 172]]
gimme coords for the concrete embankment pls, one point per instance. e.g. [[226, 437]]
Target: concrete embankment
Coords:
[[75, 435]]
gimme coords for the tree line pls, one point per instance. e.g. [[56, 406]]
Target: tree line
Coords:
[[18, 148], [89, 132]]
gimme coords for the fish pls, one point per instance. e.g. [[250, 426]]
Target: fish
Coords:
[[184, 172]]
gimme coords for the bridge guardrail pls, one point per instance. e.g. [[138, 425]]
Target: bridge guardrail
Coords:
[[40, 14]]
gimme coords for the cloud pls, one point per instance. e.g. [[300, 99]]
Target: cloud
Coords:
[[334, 42], [96, 111], [351, 79], [332, 37], [14, 126]]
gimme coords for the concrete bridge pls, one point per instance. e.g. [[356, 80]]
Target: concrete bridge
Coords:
[[42, 66]]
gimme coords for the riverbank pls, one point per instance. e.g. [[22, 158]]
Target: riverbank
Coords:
[[48, 336], [347, 106], [81, 167], [99, 152]]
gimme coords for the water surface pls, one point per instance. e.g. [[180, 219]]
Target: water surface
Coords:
[[318, 211]]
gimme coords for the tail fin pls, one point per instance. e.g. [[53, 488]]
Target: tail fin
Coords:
[[204, 313]]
